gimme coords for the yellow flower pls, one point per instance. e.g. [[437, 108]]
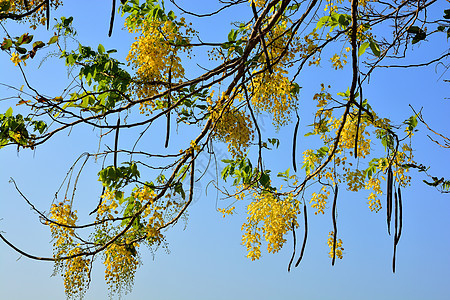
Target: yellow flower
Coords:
[[15, 58]]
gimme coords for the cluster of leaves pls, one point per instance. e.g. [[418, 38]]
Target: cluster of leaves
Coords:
[[116, 178], [14, 129], [17, 45], [243, 173]]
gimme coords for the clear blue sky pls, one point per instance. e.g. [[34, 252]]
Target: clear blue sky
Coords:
[[206, 259]]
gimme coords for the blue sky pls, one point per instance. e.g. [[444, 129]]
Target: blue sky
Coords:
[[206, 259]]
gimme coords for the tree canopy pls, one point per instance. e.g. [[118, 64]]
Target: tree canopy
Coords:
[[202, 103]]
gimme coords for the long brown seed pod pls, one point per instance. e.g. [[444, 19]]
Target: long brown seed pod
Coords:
[[359, 117], [305, 237], [389, 198], [293, 253], [111, 21], [294, 143], [47, 15], [168, 112], [396, 231], [400, 213], [334, 223], [116, 143]]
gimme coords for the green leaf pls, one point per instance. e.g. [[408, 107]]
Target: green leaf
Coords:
[[21, 50], [70, 60], [414, 29], [284, 174], [9, 112], [363, 48], [295, 88], [53, 40], [375, 48], [7, 43], [67, 21], [118, 195], [322, 22], [24, 39], [38, 44], [322, 151], [101, 49], [232, 35], [344, 20], [171, 15], [264, 180]]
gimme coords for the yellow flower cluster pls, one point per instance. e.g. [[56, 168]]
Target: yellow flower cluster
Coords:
[[108, 206], [62, 213], [236, 129], [75, 271], [331, 7], [277, 217], [15, 58], [156, 214], [227, 211], [338, 62], [322, 98], [374, 202], [348, 135], [311, 160], [355, 179], [310, 48], [18, 6], [374, 185], [339, 248], [272, 91], [319, 200], [258, 3], [121, 263], [233, 127], [76, 275], [155, 54], [121, 258]]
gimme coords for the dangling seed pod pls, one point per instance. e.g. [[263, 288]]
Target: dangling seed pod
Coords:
[[396, 230], [334, 223], [294, 144], [399, 221], [295, 243], [389, 198], [305, 236]]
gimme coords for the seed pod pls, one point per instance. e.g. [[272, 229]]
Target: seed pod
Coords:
[[389, 198], [400, 206], [334, 223], [294, 144], [295, 242], [396, 231], [305, 236]]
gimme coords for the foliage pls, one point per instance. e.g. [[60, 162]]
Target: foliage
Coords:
[[257, 71]]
